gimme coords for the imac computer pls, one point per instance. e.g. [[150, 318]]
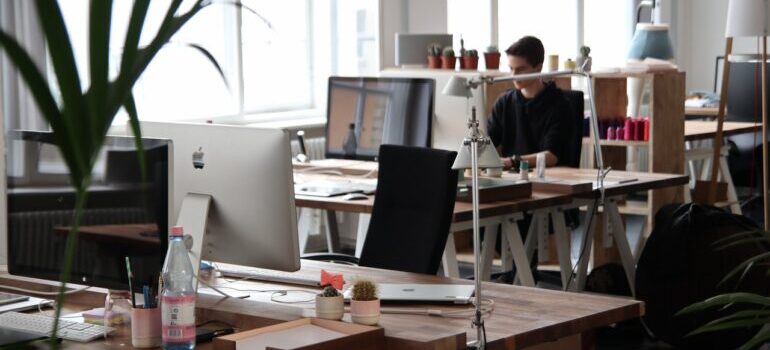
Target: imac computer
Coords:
[[126, 215], [376, 111], [235, 184]]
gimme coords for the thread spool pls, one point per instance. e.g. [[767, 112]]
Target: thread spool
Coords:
[[639, 124], [629, 130], [610, 133], [647, 129]]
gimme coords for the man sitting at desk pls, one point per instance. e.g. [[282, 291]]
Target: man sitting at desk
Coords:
[[533, 118]]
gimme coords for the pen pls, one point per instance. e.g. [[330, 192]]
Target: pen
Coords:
[[130, 282], [146, 293]]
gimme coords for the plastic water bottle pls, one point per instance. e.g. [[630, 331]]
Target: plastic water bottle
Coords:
[[177, 300]]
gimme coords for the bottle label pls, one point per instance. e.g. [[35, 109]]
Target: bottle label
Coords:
[[178, 314]]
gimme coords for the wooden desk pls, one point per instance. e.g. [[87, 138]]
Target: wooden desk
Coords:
[[704, 130], [523, 317], [701, 111]]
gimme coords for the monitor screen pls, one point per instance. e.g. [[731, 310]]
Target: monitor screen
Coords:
[[363, 113], [125, 216]]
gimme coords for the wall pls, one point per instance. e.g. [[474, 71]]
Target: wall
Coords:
[[700, 28], [408, 16]]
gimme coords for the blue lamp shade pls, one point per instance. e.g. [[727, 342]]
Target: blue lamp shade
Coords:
[[651, 40]]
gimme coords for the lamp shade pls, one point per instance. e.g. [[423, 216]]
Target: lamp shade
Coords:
[[488, 157], [457, 86], [747, 18], [651, 40]]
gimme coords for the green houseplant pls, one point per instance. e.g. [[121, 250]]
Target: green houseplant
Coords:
[[741, 310], [364, 303], [80, 119], [434, 56], [492, 57], [329, 304], [470, 59], [448, 58]]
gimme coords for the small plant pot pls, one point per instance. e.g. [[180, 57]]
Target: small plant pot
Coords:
[[434, 62], [470, 62], [448, 62], [330, 308], [365, 312], [492, 60]]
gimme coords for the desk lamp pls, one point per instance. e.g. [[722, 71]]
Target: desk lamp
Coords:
[[745, 18], [477, 151]]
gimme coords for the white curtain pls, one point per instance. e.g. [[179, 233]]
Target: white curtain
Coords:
[[17, 108]]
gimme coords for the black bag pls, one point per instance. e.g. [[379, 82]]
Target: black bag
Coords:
[[680, 266]]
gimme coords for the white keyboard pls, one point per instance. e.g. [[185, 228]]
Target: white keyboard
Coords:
[[41, 324], [252, 274]]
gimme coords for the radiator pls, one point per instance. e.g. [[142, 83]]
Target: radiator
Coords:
[[316, 147], [32, 241]]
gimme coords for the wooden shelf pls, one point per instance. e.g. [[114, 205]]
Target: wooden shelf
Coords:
[[624, 143]]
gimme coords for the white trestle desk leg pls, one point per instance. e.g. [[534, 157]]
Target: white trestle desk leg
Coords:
[[488, 250], [621, 239], [332, 231], [540, 218], [732, 196], [586, 245], [449, 258], [304, 227], [193, 216], [562, 246], [363, 228], [520, 256], [505, 251]]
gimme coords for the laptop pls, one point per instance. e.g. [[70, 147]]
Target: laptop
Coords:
[[333, 188], [423, 293]]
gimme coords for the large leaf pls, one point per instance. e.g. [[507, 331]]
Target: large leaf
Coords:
[[99, 62], [727, 299]]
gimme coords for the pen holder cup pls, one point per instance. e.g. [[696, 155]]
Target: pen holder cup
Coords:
[[145, 328]]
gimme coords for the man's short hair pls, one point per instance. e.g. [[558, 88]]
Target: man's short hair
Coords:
[[530, 48]]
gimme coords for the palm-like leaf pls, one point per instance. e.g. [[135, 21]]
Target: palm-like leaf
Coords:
[[81, 121]]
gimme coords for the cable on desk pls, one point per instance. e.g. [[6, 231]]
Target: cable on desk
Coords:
[[584, 244], [488, 306]]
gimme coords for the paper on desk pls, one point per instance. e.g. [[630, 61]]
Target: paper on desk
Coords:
[[289, 338]]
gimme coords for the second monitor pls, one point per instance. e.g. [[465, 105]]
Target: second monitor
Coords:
[[364, 113]]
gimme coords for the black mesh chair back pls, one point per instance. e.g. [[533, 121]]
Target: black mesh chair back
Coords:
[[577, 105], [413, 208]]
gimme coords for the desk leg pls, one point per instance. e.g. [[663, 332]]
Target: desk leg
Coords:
[[586, 245], [332, 231], [520, 256], [562, 246], [363, 228], [449, 258], [732, 196], [488, 250], [506, 256], [621, 241], [540, 218]]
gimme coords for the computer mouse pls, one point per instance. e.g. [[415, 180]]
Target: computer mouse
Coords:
[[355, 196]]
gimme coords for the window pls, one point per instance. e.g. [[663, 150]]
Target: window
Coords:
[[277, 61], [604, 25]]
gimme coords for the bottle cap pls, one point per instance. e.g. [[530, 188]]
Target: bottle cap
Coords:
[[177, 231]]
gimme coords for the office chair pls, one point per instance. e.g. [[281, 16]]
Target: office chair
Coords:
[[577, 106], [413, 208]]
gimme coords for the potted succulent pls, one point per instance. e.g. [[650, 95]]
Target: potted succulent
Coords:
[[492, 57], [470, 59], [462, 53], [434, 56], [448, 58], [584, 59], [329, 304], [364, 304]]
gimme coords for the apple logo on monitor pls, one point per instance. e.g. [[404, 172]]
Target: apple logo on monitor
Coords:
[[197, 158]]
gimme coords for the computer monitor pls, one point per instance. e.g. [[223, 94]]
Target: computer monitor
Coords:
[[247, 172], [396, 111], [125, 216]]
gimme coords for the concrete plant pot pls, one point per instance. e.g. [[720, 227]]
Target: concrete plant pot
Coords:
[[365, 312], [330, 308]]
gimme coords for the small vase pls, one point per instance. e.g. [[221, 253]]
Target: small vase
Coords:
[[365, 312], [330, 308], [434, 62], [448, 62], [470, 62], [492, 60]]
